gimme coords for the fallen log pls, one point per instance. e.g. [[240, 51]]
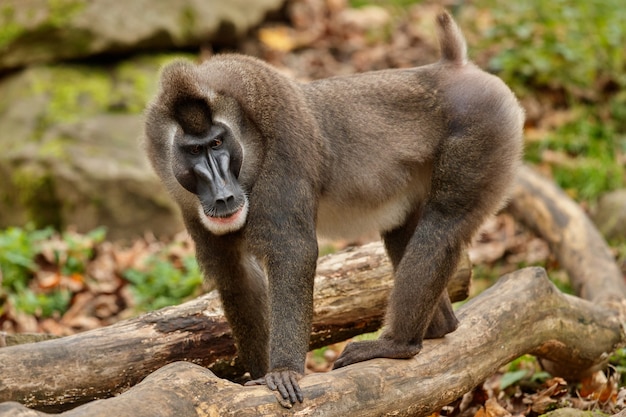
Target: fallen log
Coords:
[[517, 315], [576, 243]]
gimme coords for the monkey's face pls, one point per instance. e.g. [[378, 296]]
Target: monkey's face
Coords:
[[207, 163]]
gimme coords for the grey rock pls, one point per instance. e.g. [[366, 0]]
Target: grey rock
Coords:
[[37, 31], [71, 153]]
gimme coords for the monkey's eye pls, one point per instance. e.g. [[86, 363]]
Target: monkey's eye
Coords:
[[195, 150], [216, 143]]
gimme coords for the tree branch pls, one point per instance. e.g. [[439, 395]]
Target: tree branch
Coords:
[[574, 240]]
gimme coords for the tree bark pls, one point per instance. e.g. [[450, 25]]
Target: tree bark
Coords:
[[576, 244], [574, 240], [517, 315], [520, 314]]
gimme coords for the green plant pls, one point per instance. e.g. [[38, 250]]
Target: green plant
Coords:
[[18, 248], [41, 304], [78, 250], [587, 155], [618, 362], [570, 45], [525, 367], [161, 283]]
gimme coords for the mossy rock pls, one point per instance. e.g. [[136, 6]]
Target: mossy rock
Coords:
[[37, 31], [71, 149]]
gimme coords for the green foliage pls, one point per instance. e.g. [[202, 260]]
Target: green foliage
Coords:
[[9, 30], [75, 92], [524, 368], [42, 304], [590, 152], [572, 45], [163, 280], [78, 251], [618, 362], [18, 248], [160, 283]]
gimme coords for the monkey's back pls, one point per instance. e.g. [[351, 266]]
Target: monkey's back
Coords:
[[393, 122]]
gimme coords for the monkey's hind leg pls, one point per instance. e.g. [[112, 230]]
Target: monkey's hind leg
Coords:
[[444, 321], [469, 179]]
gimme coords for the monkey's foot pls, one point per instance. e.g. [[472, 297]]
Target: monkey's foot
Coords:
[[285, 382], [441, 326], [370, 349]]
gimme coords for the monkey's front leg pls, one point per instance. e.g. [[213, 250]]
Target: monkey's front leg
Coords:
[[291, 271]]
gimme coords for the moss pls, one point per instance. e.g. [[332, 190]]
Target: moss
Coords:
[[187, 21], [136, 82], [60, 13], [54, 148], [9, 29], [37, 195], [75, 92]]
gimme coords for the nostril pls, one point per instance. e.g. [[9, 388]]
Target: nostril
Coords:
[[225, 203], [225, 200]]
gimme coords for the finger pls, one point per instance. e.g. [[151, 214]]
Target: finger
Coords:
[[271, 384], [259, 381], [296, 387], [288, 383], [282, 389]]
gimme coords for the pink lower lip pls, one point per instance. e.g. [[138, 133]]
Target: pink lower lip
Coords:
[[226, 220]]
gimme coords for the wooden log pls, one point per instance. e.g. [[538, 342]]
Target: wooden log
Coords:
[[576, 243], [517, 315], [350, 298]]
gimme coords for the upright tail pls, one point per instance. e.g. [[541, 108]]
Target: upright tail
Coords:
[[451, 40]]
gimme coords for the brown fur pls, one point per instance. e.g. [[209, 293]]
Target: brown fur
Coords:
[[424, 155]]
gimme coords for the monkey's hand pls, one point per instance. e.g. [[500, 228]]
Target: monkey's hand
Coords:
[[370, 349], [285, 382]]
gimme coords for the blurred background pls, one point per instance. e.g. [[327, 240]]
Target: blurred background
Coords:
[[87, 234]]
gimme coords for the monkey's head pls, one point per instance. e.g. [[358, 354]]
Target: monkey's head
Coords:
[[206, 153]]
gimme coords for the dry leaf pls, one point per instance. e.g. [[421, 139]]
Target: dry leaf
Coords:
[[598, 387], [277, 38]]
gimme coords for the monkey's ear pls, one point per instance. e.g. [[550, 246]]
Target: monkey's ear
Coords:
[[181, 94]]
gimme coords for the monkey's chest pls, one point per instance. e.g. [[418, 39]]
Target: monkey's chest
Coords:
[[350, 221]]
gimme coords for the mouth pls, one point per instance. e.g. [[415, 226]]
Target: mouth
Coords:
[[228, 219], [225, 224]]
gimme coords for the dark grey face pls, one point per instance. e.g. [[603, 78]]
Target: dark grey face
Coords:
[[208, 165]]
